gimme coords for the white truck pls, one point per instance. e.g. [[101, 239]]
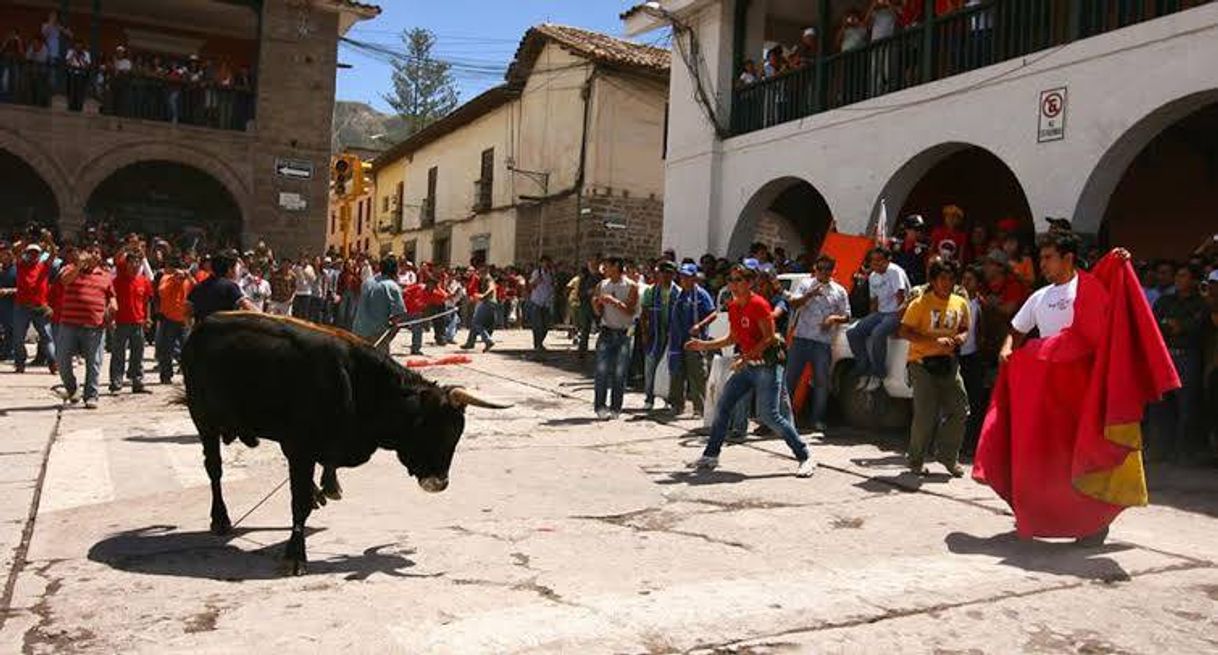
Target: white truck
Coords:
[[886, 408]]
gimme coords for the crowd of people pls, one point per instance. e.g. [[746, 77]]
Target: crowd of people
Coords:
[[955, 293], [39, 62]]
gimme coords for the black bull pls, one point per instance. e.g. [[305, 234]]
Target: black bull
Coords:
[[326, 396]]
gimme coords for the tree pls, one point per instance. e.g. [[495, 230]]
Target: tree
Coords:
[[423, 87]]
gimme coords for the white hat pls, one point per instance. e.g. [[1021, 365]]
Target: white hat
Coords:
[[33, 246], [1214, 275], [809, 31]]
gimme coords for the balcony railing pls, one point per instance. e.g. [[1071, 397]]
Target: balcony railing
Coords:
[[944, 46], [127, 95]]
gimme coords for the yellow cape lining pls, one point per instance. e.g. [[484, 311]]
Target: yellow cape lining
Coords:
[[1124, 485]]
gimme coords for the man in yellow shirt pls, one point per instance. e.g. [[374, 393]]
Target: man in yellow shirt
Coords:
[[936, 325]]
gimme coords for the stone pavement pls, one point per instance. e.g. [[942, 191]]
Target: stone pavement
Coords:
[[563, 534]]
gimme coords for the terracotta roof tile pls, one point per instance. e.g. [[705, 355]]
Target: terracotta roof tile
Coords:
[[598, 47]]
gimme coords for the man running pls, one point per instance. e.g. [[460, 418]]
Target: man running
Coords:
[[756, 369]]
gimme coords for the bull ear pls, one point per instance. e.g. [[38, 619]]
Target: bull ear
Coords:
[[462, 398]]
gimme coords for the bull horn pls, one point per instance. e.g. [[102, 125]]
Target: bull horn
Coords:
[[459, 396]]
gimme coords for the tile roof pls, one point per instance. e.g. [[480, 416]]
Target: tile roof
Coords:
[[595, 46], [632, 11], [361, 6]]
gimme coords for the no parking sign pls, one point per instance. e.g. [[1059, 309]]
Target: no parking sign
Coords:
[[1052, 111]]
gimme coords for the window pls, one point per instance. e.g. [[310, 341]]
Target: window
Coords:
[[385, 203], [333, 222], [411, 250], [439, 251], [429, 203], [484, 187], [479, 247], [359, 215]]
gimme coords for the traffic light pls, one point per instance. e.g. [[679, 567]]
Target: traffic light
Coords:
[[341, 174]]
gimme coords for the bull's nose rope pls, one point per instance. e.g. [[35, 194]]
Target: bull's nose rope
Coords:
[[261, 502]]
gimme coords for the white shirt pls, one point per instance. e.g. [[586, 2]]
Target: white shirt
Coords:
[[613, 316], [828, 300], [257, 289], [970, 344], [1050, 309], [885, 287]]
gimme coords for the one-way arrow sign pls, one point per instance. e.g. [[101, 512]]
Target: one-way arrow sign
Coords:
[[297, 169]]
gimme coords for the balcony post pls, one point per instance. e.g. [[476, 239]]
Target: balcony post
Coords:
[[740, 27], [928, 41], [1075, 21], [95, 32], [822, 52]]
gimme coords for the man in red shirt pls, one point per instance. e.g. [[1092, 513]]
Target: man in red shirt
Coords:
[[132, 292], [31, 306], [951, 230], [415, 298], [757, 369], [88, 303]]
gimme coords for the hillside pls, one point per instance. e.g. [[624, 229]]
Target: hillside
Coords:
[[356, 123]]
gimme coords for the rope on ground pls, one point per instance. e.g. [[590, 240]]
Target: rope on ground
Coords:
[[261, 502]]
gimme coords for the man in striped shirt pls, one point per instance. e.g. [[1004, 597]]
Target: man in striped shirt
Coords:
[[88, 303]]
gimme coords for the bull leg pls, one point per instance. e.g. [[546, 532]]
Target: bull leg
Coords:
[[220, 523], [301, 473], [329, 483]]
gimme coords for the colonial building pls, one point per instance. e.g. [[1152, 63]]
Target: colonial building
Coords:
[[1101, 112], [200, 119], [564, 158]]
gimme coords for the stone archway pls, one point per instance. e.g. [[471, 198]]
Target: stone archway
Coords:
[[27, 198], [956, 173], [787, 212], [93, 173], [182, 203], [28, 172], [1157, 185]]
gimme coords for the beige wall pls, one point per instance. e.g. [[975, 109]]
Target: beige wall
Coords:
[[386, 183], [552, 120], [626, 149]]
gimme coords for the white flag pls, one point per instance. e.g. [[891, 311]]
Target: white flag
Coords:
[[881, 225]]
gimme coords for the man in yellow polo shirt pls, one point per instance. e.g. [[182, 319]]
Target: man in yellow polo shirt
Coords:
[[936, 325]]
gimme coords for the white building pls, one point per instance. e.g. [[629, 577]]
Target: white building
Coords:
[[1105, 112]]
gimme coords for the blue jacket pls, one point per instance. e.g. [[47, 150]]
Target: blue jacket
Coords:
[[688, 309]]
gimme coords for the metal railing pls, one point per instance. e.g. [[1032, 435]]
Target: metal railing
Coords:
[[941, 47], [126, 95]]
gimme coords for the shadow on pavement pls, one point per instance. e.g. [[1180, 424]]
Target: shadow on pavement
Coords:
[[1057, 558], [185, 439], [159, 550], [703, 478], [35, 408], [565, 360]]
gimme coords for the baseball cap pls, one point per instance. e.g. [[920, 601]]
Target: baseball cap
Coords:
[[1058, 222], [691, 270], [810, 31], [913, 221], [751, 263], [667, 267], [1213, 276], [33, 246]]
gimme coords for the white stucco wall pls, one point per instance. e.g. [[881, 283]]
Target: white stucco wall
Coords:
[[855, 156], [627, 129]]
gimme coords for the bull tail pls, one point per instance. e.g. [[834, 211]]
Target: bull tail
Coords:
[[179, 398]]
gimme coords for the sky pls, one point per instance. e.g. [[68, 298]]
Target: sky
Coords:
[[478, 36]]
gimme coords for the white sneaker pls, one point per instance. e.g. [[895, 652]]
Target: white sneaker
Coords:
[[649, 405], [704, 463], [602, 414], [863, 382], [806, 468], [613, 416], [874, 384]]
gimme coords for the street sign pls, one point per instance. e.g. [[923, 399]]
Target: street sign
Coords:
[[1052, 112], [293, 202], [609, 225], [296, 169]]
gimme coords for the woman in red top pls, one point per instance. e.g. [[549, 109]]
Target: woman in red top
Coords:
[[756, 369]]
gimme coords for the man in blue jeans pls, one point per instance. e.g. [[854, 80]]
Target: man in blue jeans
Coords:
[[821, 308], [755, 370], [614, 300], [869, 337]]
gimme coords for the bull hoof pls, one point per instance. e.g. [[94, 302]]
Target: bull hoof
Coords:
[[292, 567], [319, 498], [221, 527], [332, 492]]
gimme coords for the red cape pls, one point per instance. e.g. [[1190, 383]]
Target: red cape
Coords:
[[1062, 440]]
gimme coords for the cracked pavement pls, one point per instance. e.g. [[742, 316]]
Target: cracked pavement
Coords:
[[563, 534]]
